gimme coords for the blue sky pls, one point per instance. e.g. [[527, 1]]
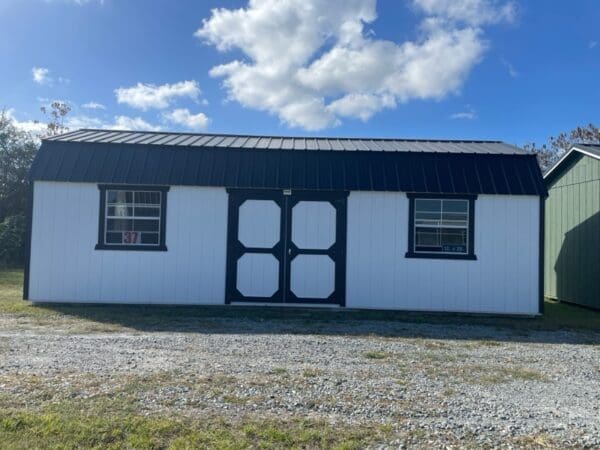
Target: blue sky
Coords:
[[518, 71]]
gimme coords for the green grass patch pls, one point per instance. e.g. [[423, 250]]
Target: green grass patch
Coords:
[[155, 317], [11, 293], [85, 429], [50, 413]]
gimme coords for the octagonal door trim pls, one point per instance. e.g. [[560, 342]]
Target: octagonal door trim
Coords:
[[307, 244], [255, 247]]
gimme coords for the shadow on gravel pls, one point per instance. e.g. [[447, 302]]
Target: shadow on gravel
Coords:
[[561, 323]]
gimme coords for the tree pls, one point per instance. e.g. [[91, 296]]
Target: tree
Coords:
[[17, 150], [13, 240], [549, 153], [56, 115]]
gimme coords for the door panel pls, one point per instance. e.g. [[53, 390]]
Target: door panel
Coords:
[[255, 260], [259, 224], [286, 248], [316, 251], [257, 275], [313, 225], [312, 276]]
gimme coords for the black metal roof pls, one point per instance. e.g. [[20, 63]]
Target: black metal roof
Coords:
[[198, 140], [462, 167]]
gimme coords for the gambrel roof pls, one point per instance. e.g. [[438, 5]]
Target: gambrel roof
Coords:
[[282, 162]]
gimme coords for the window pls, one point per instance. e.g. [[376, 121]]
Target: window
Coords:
[[132, 218], [441, 227]]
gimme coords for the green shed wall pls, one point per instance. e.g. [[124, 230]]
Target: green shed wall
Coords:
[[572, 233]]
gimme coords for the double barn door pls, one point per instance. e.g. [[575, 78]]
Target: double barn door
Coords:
[[286, 247]]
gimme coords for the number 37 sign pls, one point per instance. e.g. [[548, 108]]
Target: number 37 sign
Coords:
[[131, 237]]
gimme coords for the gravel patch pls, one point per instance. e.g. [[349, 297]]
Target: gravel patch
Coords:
[[485, 385]]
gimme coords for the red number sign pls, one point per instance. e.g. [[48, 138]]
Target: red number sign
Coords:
[[130, 237]]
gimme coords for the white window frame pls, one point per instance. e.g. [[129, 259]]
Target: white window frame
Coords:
[[441, 225], [133, 205]]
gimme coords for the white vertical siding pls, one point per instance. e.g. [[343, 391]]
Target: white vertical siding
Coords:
[[65, 267], [503, 279]]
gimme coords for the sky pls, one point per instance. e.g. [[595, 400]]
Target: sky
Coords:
[[514, 70]]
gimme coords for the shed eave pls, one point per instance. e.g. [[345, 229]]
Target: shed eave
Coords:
[[574, 148]]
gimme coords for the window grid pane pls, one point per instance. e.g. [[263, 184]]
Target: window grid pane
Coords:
[[132, 217], [441, 226]]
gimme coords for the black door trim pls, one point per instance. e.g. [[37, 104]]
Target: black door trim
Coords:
[[286, 202], [235, 248], [337, 252]]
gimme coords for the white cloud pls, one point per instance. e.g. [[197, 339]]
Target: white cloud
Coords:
[[361, 106], [465, 115], [471, 12], [514, 73], [41, 75], [118, 123], [468, 114], [145, 96], [592, 44], [30, 126], [77, 122], [311, 62], [182, 116], [93, 105], [79, 2], [131, 123]]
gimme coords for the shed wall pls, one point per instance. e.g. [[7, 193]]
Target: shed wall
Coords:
[[503, 279], [65, 267], [572, 238]]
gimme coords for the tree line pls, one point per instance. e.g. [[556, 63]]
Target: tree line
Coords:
[[18, 148]]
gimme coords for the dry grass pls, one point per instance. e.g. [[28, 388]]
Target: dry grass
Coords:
[[377, 355], [85, 411]]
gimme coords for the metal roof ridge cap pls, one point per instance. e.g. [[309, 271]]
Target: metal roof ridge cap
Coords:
[[491, 141], [69, 133]]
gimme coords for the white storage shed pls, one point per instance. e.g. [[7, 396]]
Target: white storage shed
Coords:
[[173, 218]]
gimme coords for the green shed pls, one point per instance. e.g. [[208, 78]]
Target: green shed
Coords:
[[572, 228]]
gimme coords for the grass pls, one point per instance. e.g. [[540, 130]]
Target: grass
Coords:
[[88, 429], [311, 373], [485, 375], [376, 355], [111, 317], [11, 292], [51, 412]]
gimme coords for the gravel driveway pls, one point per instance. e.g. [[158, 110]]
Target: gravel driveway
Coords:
[[444, 383]]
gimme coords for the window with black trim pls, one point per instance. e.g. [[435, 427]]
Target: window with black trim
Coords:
[[441, 227], [132, 218]]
